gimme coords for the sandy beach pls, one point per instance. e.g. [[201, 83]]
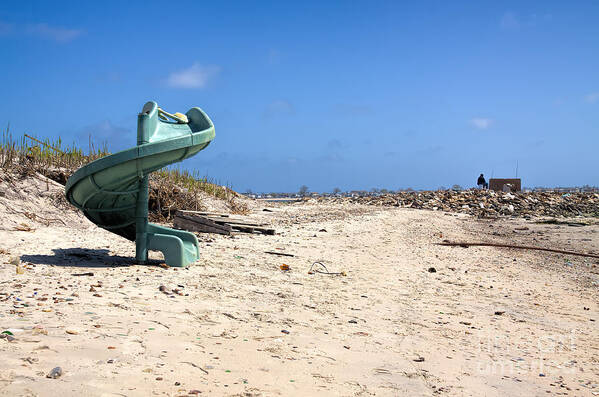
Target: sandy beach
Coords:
[[299, 199], [408, 317]]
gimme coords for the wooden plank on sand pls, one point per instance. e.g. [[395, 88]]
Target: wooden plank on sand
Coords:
[[233, 221], [199, 224], [188, 220], [204, 213], [252, 229]]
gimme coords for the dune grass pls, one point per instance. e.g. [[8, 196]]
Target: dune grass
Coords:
[[174, 188], [170, 188], [45, 154]]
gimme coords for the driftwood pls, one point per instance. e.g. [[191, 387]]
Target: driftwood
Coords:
[[252, 229], [199, 224], [278, 253], [232, 221], [193, 221], [220, 218], [526, 247], [204, 213]]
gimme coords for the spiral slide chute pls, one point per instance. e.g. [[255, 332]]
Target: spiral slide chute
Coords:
[[112, 191]]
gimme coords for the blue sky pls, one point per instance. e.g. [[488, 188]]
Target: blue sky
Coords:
[[328, 94]]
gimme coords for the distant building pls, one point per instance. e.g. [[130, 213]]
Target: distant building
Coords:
[[505, 185]]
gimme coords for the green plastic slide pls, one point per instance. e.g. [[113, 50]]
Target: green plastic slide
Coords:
[[112, 191]]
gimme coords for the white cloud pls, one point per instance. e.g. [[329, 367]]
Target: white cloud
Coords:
[[56, 33], [196, 76], [509, 21], [592, 97], [481, 123]]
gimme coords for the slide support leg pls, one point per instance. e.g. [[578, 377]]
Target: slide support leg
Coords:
[[141, 223]]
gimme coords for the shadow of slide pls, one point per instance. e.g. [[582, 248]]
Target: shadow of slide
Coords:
[[83, 257]]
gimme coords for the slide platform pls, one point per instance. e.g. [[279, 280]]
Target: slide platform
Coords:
[[112, 191]]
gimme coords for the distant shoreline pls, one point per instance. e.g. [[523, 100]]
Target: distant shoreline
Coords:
[[280, 199]]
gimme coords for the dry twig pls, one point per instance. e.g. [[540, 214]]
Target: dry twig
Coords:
[[526, 247]]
